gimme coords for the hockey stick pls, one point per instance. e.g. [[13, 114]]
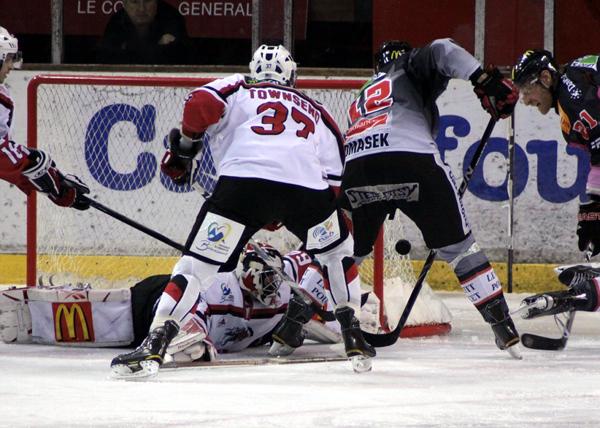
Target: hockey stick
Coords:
[[251, 362], [144, 229], [533, 341], [387, 339]]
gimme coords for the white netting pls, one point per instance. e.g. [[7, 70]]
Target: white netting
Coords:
[[113, 137]]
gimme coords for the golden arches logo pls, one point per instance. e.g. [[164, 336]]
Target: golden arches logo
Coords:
[[75, 331], [395, 54]]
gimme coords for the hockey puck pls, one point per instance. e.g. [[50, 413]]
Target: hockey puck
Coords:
[[403, 247]]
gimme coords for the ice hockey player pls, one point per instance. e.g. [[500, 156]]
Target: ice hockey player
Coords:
[[239, 310], [583, 282], [573, 92], [30, 169], [279, 159], [392, 162]]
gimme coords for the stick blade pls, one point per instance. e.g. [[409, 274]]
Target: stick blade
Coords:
[[533, 341]]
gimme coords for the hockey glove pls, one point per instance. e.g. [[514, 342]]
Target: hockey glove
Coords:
[[497, 94], [588, 226], [177, 161], [42, 172], [65, 191], [73, 193]]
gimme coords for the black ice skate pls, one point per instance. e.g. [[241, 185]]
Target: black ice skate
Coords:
[[506, 335], [357, 349], [549, 303], [289, 335], [577, 274], [147, 358]]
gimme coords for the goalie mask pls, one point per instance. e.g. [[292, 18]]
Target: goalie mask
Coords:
[[275, 64], [9, 48], [257, 276]]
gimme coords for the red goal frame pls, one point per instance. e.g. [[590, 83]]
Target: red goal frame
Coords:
[[166, 81]]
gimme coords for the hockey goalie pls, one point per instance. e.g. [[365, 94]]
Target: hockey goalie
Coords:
[[237, 310]]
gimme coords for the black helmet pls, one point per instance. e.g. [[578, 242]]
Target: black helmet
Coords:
[[531, 64], [390, 51]]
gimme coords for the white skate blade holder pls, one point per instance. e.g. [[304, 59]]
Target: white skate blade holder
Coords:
[[123, 372], [361, 364], [515, 352]]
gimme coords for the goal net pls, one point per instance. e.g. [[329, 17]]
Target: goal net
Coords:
[[111, 131]]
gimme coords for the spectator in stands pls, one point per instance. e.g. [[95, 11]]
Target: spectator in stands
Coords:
[[145, 32]]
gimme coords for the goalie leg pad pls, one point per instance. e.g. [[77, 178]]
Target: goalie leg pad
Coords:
[[15, 317]]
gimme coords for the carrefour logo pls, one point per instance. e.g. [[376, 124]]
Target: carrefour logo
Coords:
[[536, 162], [217, 233]]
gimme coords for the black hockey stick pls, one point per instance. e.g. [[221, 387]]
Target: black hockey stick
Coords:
[[533, 341], [387, 339], [144, 229]]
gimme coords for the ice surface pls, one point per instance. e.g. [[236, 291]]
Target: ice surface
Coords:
[[461, 380]]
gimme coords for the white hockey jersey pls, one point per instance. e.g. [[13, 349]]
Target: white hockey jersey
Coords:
[[235, 321], [6, 113], [268, 131]]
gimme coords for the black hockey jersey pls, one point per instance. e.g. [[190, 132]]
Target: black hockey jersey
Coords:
[[578, 104], [396, 110]]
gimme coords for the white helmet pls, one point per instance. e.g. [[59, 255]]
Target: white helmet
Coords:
[[9, 45], [273, 63]]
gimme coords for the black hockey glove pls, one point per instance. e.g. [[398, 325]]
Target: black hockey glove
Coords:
[[588, 226], [64, 191], [178, 160], [497, 94]]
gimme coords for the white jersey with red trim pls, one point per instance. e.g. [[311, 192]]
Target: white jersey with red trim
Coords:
[[265, 130], [234, 321], [7, 108]]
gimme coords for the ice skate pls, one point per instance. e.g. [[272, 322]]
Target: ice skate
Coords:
[[358, 350], [549, 303], [506, 335], [290, 335], [147, 358], [575, 275]]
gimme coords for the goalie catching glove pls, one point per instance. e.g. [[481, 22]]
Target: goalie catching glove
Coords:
[[63, 190], [177, 161], [498, 95]]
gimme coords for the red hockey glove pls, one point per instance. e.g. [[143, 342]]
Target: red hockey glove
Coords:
[[177, 161], [497, 94], [72, 193], [64, 191]]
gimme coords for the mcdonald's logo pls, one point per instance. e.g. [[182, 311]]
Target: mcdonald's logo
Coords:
[[73, 322]]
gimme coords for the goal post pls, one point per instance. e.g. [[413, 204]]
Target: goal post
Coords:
[[111, 131]]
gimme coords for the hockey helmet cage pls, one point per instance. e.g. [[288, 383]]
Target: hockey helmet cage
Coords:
[[531, 64], [273, 63], [390, 51], [257, 276], [9, 45]]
